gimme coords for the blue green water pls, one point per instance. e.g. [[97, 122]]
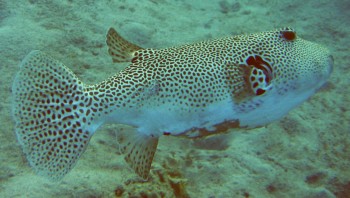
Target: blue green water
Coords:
[[305, 154]]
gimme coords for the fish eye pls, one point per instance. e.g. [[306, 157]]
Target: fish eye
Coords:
[[288, 35]]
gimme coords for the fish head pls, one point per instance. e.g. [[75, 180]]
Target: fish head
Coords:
[[283, 61], [283, 70]]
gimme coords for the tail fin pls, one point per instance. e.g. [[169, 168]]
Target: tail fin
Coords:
[[50, 113]]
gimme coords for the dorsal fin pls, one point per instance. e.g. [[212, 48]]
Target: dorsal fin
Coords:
[[138, 150], [120, 49]]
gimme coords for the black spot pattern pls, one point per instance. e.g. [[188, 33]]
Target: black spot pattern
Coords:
[[56, 114], [192, 76], [49, 111]]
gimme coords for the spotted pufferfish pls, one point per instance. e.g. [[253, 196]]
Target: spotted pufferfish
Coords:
[[191, 90]]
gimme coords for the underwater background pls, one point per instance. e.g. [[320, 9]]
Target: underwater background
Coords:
[[305, 154]]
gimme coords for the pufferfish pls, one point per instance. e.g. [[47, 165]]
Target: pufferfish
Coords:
[[191, 90]]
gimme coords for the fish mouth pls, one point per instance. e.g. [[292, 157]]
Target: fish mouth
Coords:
[[327, 73], [330, 63]]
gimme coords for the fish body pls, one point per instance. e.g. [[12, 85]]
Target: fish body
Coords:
[[193, 90]]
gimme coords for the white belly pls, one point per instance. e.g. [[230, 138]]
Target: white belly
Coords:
[[155, 120]]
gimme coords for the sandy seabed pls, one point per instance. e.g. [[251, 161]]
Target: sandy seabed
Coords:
[[305, 154]]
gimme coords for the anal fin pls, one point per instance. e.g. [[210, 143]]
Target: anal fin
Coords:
[[120, 49], [139, 150]]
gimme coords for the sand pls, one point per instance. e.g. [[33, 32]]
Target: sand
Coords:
[[305, 154]]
